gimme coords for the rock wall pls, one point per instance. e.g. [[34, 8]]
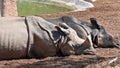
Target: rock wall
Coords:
[[1, 5], [9, 8]]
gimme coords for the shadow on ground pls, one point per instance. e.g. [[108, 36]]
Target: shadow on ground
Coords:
[[61, 62]]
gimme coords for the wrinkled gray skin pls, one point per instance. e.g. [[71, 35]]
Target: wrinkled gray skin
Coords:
[[100, 37], [39, 38]]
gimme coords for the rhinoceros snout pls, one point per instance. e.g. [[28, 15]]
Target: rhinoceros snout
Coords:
[[116, 44]]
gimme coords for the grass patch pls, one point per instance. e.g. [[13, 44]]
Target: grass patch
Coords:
[[26, 8]]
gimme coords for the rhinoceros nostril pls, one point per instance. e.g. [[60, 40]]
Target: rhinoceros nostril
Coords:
[[117, 44]]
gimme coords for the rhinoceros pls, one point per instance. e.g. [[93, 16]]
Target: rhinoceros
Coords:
[[100, 37], [34, 37]]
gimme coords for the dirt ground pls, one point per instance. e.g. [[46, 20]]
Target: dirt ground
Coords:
[[108, 13]]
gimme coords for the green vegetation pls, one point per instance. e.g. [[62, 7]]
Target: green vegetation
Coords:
[[26, 8]]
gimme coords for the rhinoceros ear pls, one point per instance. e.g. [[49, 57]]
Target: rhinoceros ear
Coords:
[[63, 28], [64, 25], [94, 23]]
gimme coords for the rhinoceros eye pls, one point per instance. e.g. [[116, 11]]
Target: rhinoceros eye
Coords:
[[100, 37]]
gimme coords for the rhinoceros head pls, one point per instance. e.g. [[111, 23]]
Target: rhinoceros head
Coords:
[[74, 44], [100, 37]]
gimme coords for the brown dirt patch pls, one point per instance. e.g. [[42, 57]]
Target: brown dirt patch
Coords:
[[108, 13]]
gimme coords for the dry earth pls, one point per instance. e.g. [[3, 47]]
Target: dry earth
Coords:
[[108, 13]]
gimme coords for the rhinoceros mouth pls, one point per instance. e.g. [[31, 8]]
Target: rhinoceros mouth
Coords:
[[116, 44]]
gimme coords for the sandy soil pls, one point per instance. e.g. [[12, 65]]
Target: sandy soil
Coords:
[[108, 13]]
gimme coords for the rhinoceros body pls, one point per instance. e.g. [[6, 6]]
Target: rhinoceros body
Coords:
[[34, 37]]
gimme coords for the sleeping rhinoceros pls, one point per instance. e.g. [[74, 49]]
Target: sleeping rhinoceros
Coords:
[[100, 37], [34, 37]]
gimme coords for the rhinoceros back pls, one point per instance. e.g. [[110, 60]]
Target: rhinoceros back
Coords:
[[13, 37]]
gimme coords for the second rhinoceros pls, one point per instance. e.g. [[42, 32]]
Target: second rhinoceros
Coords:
[[100, 37]]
